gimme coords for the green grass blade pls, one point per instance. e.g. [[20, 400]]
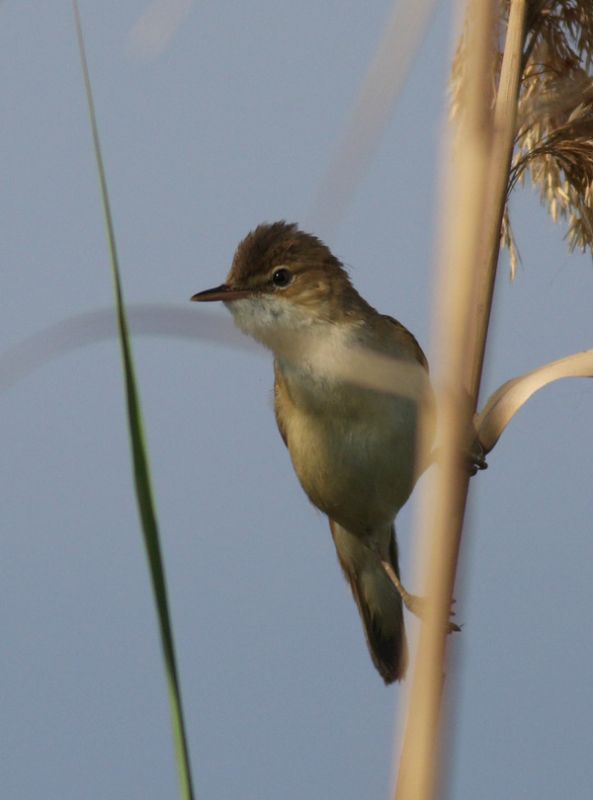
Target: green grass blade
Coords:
[[140, 458]]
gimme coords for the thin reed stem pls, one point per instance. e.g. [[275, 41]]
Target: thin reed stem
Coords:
[[505, 121], [462, 304]]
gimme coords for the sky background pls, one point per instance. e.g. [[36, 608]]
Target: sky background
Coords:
[[234, 123]]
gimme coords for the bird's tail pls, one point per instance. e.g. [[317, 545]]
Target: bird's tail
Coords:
[[378, 601]]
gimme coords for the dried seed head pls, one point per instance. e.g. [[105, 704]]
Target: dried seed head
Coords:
[[554, 140]]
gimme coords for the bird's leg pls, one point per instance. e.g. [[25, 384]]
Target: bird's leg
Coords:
[[412, 602]]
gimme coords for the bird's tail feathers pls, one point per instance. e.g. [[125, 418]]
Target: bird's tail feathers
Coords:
[[378, 601]]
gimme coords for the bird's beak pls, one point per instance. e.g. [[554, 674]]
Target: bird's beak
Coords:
[[222, 292]]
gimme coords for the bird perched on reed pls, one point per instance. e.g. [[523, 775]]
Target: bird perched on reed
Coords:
[[353, 449]]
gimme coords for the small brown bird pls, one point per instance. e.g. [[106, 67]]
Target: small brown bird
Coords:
[[354, 450]]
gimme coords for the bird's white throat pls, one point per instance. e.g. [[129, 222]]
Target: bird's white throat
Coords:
[[271, 319], [312, 351]]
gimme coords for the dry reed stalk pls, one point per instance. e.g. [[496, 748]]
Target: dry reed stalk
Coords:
[[505, 123], [463, 299]]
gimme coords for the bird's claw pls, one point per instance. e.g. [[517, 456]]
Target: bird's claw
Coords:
[[413, 602], [473, 458], [476, 462], [417, 606]]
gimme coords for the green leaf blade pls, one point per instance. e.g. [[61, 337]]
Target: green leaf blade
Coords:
[[141, 467]]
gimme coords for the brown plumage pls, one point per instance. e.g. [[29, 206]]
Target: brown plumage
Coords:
[[353, 449]]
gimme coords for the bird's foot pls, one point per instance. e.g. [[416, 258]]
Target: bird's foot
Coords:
[[413, 602], [473, 459], [417, 606]]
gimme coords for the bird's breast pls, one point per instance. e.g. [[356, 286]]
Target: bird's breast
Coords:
[[352, 449]]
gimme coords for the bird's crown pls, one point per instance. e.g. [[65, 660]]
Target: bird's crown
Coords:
[[279, 244]]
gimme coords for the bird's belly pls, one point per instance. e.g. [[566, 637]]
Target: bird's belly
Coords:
[[359, 470]]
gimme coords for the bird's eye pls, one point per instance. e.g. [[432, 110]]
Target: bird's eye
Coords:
[[282, 277]]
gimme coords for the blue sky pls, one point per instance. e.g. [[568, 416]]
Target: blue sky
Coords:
[[233, 123]]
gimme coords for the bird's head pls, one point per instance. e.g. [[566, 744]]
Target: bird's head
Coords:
[[283, 279]]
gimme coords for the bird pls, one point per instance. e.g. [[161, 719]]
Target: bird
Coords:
[[354, 449]]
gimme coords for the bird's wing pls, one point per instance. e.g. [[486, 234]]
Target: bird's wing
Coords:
[[403, 337], [281, 399]]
